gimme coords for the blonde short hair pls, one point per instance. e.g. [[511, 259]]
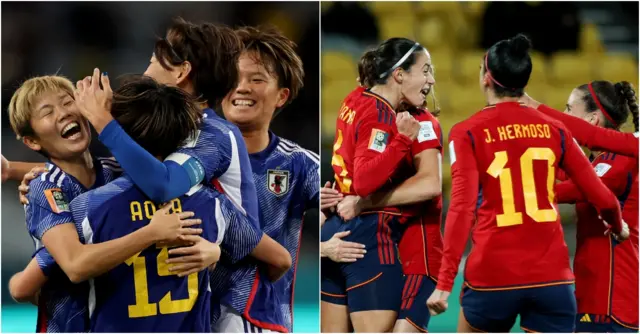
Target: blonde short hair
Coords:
[[24, 99]]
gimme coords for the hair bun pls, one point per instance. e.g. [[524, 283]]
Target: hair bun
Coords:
[[520, 45]]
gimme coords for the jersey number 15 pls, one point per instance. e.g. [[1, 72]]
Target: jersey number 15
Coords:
[[142, 307]]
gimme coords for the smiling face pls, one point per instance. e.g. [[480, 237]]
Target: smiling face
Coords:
[[58, 127], [577, 107], [257, 95], [417, 82]]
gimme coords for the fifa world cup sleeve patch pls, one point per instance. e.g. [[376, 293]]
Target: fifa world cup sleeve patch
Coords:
[[57, 200], [602, 169], [426, 132], [378, 140], [452, 153]]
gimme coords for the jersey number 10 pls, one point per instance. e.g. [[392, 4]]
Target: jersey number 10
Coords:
[[496, 169], [142, 307]]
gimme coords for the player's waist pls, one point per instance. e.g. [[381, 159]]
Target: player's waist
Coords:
[[500, 274]]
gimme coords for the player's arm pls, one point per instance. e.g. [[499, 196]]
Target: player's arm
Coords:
[[274, 255], [160, 181], [578, 168], [16, 170], [595, 137], [422, 186], [461, 215], [375, 157], [83, 261], [613, 173], [242, 238], [25, 285]]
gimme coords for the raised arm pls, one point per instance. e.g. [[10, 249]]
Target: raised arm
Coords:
[[595, 137], [160, 181]]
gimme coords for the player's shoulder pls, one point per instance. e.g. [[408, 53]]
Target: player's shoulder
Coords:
[[297, 153], [53, 181], [368, 105], [104, 194], [110, 163]]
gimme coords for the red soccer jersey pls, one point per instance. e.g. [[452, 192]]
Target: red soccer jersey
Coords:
[[504, 162], [607, 275], [595, 137], [421, 244], [368, 152]]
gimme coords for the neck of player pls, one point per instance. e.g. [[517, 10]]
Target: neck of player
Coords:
[[80, 167], [388, 93], [493, 99], [256, 140]]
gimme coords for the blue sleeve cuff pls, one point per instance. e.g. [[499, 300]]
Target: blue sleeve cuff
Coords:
[[46, 262]]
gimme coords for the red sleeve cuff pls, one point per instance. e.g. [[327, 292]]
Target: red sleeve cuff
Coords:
[[444, 286]]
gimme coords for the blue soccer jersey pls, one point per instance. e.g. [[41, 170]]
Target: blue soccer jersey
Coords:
[[61, 306], [142, 295], [288, 183], [215, 154]]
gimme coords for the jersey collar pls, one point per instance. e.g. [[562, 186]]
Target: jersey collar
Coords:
[[273, 143]]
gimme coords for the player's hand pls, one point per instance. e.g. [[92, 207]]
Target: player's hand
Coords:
[[95, 102], [6, 169], [329, 197], [339, 250], [437, 302], [167, 228], [622, 236], [407, 125], [350, 207], [23, 188], [201, 255]]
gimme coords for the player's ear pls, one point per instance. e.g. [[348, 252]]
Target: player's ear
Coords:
[[32, 143], [183, 72], [283, 96], [397, 75]]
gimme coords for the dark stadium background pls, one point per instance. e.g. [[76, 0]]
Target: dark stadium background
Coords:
[[574, 43], [72, 38]]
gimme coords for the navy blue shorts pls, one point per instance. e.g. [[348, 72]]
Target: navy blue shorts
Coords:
[[594, 323], [541, 309], [417, 289], [374, 282]]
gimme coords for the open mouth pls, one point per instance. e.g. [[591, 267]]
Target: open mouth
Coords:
[[243, 103], [71, 131], [424, 92]]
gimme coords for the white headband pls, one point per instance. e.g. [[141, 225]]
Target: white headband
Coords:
[[402, 60]]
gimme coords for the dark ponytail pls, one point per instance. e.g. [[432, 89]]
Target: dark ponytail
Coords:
[[375, 66], [367, 69], [509, 65], [615, 101], [628, 95]]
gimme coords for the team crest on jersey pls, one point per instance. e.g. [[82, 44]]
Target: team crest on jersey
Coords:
[[57, 200], [278, 181], [378, 140]]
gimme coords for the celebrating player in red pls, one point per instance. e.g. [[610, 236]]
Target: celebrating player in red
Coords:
[[606, 271], [371, 153], [519, 262], [591, 136]]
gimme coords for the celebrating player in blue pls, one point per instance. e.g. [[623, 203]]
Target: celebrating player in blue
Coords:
[[44, 115], [200, 59], [286, 177], [144, 294]]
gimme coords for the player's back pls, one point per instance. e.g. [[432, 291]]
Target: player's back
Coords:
[[518, 238], [142, 295]]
